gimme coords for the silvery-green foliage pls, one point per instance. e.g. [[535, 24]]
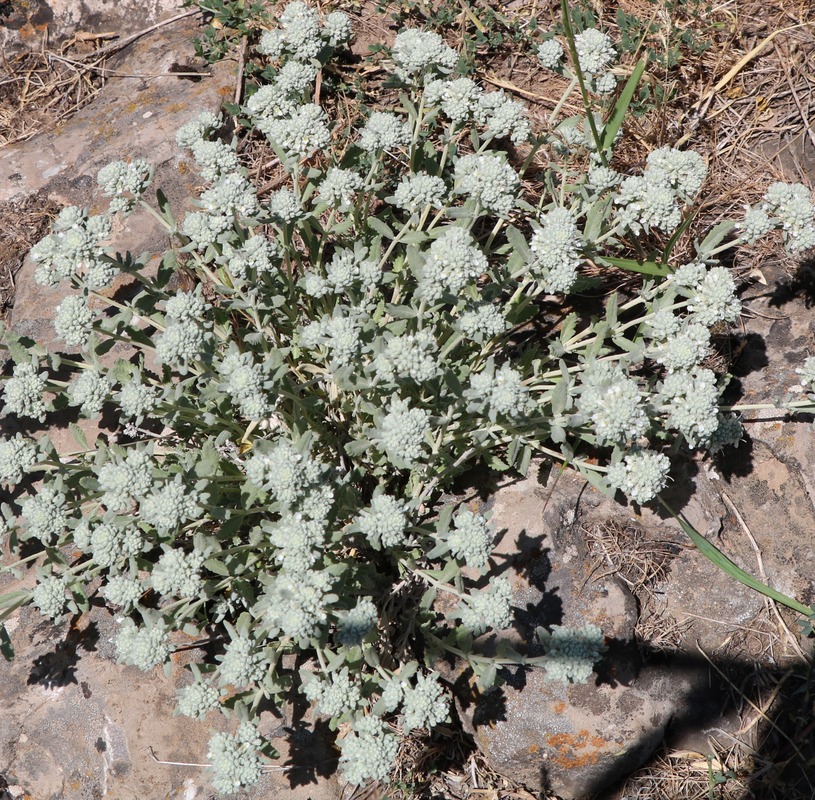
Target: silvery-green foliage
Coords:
[[806, 371], [278, 437], [572, 652]]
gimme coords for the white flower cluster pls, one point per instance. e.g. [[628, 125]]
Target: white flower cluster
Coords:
[[357, 623], [550, 54], [806, 371], [338, 188], [729, 433], [243, 663], [488, 610], [407, 357], [299, 135], [488, 179], [74, 248], [683, 170], [121, 590], [692, 400], [198, 129], [257, 254], [683, 349], [756, 223], [298, 541], [178, 574], [336, 696], [73, 320], [284, 206], [145, 647], [417, 191], [22, 392], [792, 207], [594, 51], [403, 432], [611, 400], [301, 36], [136, 400], [458, 98], [453, 260], [641, 476], [232, 196], [425, 705], [368, 753], [349, 268], [384, 131], [89, 391], [49, 596], [197, 698], [124, 480], [246, 384], [296, 603], [501, 391], [714, 299], [555, 250], [181, 343], [234, 759], [283, 471], [384, 521], [342, 337], [172, 504], [418, 52], [17, 455], [652, 200], [572, 653], [482, 322], [471, 538], [109, 543], [503, 117], [45, 514], [125, 182]]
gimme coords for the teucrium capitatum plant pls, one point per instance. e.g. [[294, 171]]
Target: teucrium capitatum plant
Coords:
[[355, 339]]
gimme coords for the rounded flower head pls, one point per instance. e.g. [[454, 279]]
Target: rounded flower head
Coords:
[[550, 54], [594, 51], [425, 704], [73, 320], [490, 180], [16, 456], [471, 539], [384, 521], [384, 131], [368, 753], [416, 52], [22, 392], [641, 476], [555, 251], [417, 191], [403, 431]]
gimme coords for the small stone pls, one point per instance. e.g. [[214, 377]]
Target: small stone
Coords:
[[116, 753]]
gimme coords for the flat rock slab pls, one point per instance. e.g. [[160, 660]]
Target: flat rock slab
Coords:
[[78, 726], [29, 23], [129, 118]]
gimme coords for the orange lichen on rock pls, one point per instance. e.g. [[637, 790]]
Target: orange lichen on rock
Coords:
[[568, 745], [560, 707]]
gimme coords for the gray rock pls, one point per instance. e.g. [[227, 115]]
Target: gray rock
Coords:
[[26, 25]]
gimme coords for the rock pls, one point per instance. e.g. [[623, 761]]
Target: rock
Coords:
[[575, 740], [29, 23], [129, 118], [78, 726]]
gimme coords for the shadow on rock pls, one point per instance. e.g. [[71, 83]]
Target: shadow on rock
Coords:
[[58, 668], [311, 752]]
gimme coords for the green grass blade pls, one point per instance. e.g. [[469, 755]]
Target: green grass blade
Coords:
[[713, 554], [615, 121], [677, 233], [645, 267]]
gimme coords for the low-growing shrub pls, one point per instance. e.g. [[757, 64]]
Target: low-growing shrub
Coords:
[[276, 438]]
